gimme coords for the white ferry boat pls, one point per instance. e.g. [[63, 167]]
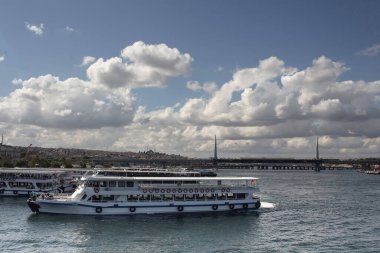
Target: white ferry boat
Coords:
[[124, 195], [23, 182]]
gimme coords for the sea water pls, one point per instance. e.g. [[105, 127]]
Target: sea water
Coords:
[[302, 211]]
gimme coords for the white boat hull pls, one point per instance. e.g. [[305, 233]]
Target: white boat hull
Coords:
[[67, 207]]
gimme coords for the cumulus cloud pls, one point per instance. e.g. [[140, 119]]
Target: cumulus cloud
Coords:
[[277, 102], [36, 29], [371, 51], [270, 109], [72, 103], [140, 65], [2, 58], [87, 60]]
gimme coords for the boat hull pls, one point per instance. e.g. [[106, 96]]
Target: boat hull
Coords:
[[63, 207]]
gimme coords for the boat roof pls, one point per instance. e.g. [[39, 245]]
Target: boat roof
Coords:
[[169, 178]]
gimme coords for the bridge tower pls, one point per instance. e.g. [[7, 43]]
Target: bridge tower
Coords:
[[318, 162], [215, 154]]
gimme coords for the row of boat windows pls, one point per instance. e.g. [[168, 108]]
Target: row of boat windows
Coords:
[[109, 183], [148, 174], [26, 185], [10, 176], [131, 183], [169, 197]]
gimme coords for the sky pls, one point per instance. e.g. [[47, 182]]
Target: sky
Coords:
[[265, 77]]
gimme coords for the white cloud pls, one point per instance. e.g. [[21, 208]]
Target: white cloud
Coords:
[[2, 58], [72, 103], [36, 29], [17, 81], [140, 65], [267, 110], [371, 51], [87, 60], [69, 29], [209, 87], [219, 69]]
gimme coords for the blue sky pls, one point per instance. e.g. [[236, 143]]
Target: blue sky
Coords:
[[222, 38]]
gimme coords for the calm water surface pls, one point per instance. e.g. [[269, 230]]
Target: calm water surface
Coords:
[[330, 211]]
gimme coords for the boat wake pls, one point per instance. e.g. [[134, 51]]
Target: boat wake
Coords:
[[267, 205]]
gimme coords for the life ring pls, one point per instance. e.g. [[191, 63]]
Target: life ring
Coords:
[[257, 204], [184, 190], [150, 190], [207, 190], [228, 190], [162, 190], [201, 190], [179, 190], [212, 190], [245, 206], [223, 190], [98, 209], [191, 190], [132, 209], [168, 190], [214, 207], [156, 190], [15, 192], [196, 190], [180, 208], [96, 189], [174, 190], [231, 206], [145, 190]]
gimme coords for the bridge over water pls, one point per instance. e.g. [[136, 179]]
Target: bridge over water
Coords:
[[246, 163]]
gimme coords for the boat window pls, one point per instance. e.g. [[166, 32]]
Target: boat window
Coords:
[[84, 197], [129, 183], [108, 197], [156, 197], [132, 198], [95, 198], [121, 183], [200, 197], [179, 197], [168, 197], [210, 196], [230, 196], [112, 183], [240, 195]]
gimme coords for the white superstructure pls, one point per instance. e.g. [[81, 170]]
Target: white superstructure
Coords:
[[21, 182], [123, 195]]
